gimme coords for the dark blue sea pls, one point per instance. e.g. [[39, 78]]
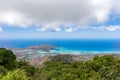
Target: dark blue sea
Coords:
[[68, 45]]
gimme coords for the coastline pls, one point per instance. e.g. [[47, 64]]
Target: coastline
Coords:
[[37, 55], [38, 60], [31, 54]]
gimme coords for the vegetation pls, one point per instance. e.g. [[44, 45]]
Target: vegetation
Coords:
[[7, 58], [15, 75], [60, 67], [12, 69], [100, 68]]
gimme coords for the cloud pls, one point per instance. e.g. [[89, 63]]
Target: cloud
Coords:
[[52, 27], [113, 28], [24, 13], [14, 18], [71, 29], [1, 30], [109, 28]]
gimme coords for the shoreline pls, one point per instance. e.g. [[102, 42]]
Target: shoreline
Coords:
[[37, 55], [30, 53]]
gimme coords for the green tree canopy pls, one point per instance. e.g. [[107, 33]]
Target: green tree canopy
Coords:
[[7, 58]]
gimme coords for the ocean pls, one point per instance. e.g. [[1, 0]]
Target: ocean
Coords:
[[68, 46]]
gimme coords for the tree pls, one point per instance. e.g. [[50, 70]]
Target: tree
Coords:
[[7, 58]]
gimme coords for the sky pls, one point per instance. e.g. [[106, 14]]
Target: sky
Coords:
[[63, 19]]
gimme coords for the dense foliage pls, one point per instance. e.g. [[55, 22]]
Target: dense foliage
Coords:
[[15, 75], [100, 68], [9, 66], [60, 67], [7, 58]]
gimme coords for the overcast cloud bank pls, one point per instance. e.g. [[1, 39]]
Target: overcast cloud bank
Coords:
[[50, 15]]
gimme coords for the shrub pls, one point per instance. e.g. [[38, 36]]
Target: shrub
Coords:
[[15, 75]]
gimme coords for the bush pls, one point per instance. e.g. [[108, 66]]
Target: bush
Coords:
[[15, 75], [3, 71]]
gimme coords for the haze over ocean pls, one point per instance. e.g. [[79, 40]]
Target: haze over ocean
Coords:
[[68, 45]]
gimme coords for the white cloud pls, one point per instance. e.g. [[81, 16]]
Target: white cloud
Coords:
[[52, 27], [23, 13], [1, 30], [14, 18], [109, 28], [71, 29], [113, 28]]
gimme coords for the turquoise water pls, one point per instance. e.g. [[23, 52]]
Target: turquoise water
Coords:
[[74, 46]]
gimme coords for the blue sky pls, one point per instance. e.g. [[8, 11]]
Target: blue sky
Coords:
[[63, 19]]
